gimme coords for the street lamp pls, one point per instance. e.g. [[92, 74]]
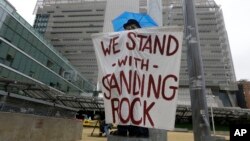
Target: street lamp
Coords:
[[212, 115], [210, 99]]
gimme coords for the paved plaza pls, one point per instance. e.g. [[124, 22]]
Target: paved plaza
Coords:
[[172, 136]]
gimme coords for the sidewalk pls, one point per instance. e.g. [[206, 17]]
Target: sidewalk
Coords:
[[172, 136]]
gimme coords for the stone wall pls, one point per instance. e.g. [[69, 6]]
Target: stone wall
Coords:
[[25, 127]]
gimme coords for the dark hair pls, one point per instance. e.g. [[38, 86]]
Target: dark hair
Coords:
[[131, 21]]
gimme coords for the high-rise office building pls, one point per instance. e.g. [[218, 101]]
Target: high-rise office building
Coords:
[[215, 51], [68, 24]]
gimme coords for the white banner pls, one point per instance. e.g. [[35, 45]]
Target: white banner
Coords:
[[139, 75]]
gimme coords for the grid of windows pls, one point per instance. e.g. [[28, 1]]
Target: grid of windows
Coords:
[[41, 22], [72, 25], [215, 58]]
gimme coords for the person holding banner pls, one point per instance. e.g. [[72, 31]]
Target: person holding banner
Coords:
[[136, 131], [131, 24], [139, 74]]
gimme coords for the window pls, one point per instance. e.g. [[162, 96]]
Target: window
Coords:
[[58, 85], [87, 15], [27, 66], [92, 31], [51, 12], [87, 10], [58, 16], [85, 21], [31, 74], [100, 10], [68, 88], [19, 29], [61, 71], [3, 30], [9, 34], [12, 23], [35, 42], [52, 84], [27, 47], [16, 39], [22, 43], [76, 32], [4, 49], [49, 64], [5, 73], [17, 60], [25, 34], [9, 59], [1, 13]]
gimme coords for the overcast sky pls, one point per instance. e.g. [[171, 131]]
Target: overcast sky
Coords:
[[237, 20]]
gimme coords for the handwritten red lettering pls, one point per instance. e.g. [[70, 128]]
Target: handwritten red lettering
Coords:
[[135, 83], [117, 106], [131, 37], [170, 38], [112, 44]]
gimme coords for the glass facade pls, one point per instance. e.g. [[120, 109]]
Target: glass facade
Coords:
[[26, 56]]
